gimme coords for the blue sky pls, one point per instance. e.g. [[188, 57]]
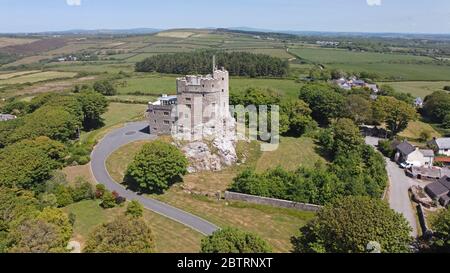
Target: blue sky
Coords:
[[422, 16]]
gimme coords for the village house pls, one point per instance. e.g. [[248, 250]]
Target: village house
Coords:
[[440, 191], [353, 82], [409, 154], [6, 117], [441, 146]]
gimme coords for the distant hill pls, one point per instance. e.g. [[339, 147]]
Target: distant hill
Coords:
[[94, 32]]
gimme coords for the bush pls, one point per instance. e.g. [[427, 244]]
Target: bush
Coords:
[[134, 209], [385, 147], [82, 190], [232, 240], [108, 200], [100, 190]]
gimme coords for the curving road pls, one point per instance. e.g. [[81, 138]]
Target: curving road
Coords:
[[132, 132]]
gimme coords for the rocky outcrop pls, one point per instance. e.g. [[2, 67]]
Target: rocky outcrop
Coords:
[[215, 151]]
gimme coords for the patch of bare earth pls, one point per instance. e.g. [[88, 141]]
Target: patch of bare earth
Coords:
[[57, 86]]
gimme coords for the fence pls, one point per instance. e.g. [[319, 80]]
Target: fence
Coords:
[[270, 201]]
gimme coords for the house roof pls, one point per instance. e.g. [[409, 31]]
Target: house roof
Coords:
[[442, 159], [445, 181], [406, 148], [443, 143], [444, 200], [436, 189], [427, 153]]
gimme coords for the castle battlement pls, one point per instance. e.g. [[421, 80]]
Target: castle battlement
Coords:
[[200, 100]]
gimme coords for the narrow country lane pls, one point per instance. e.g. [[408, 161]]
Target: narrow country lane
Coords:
[[398, 190], [132, 132]]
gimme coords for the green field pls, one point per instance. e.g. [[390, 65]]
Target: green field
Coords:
[[154, 84], [330, 56], [37, 77], [389, 66], [419, 89], [401, 72]]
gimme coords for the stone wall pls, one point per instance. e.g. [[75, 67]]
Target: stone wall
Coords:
[[426, 231], [160, 119], [270, 201]]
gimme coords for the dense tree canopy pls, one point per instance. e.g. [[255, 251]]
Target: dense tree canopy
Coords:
[[156, 167], [94, 105], [26, 166], [232, 240], [123, 235], [355, 169], [325, 102], [295, 118], [437, 106], [105, 88], [349, 224], [359, 109], [441, 228], [395, 113], [200, 62]]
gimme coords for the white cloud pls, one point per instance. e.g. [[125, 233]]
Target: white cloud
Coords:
[[374, 2], [73, 2]]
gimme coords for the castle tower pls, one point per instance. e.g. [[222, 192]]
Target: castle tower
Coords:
[[207, 97]]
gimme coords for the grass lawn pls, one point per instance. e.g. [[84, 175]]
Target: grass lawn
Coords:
[[170, 236], [415, 128], [419, 89], [291, 154], [273, 224], [117, 113]]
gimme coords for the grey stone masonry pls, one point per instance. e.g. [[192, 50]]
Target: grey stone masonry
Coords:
[[271, 201], [201, 102]]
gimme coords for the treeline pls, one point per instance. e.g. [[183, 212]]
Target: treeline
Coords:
[[200, 62]]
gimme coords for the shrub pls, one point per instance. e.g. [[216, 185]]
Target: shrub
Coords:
[[100, 190], [232, 240], [134, 209], [108, 200]]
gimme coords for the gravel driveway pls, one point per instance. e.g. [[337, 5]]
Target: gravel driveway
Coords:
[[132, 132]]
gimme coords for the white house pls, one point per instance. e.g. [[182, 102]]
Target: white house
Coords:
[[442, 145], [413, 155]]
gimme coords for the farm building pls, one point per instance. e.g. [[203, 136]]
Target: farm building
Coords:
[[442, 145], [440, 191]]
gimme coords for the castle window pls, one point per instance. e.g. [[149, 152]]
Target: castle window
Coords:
[[203, 86], [223, 79], [188, 106], [166, 122], [155, 120], [186, 116], [223, 90], [166, 113], [155, 129], [213, 85], [188, 99]]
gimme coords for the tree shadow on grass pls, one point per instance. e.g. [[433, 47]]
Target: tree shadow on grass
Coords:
[[132, 185]]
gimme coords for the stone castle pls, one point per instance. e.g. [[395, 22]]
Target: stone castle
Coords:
[[201, 101], [200, 108]]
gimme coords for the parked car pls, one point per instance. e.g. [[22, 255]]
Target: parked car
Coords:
[[406, 165]]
